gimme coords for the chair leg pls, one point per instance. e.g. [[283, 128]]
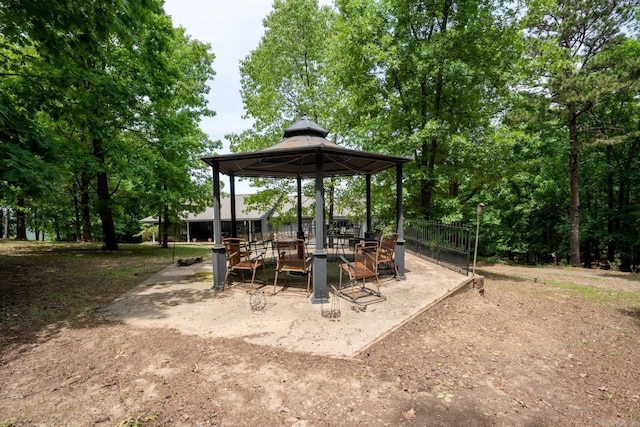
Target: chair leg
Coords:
[[275, 282], [253, 277], [264, 274], [308, 283], [224, 281]]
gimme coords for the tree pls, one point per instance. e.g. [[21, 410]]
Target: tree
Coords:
[[80, 58], [24, 150], [527, 206], [283, 78], [424, 79], [568, 44], [175, 181], [119, 96], [609, 184]]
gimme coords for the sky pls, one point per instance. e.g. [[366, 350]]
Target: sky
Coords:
[[233, 28]]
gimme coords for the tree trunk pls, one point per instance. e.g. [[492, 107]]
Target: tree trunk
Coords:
[[4, 214], [76, 211], [85, 208], [574, 243], [21, 224], [165, 231], [625, 247], [611, 243], [160, 222], [56, 227], [5, 223], [110, 240], [428, 185]]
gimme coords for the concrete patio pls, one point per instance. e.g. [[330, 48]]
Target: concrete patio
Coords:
[[182, 298]]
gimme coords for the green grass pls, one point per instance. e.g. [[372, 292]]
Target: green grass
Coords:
[[493, 260], [598, 294], [47, 285]]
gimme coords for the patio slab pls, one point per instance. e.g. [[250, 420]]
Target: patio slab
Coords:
[[182, 298]]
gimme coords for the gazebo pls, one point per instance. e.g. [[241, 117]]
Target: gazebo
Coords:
[[304, 152]]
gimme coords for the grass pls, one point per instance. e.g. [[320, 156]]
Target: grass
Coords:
[[598, 294], [45, 286], [588, 292]]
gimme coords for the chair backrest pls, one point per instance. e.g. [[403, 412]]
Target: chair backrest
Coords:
[[388, 246], [367, 253], [235, 249], [291, 249]]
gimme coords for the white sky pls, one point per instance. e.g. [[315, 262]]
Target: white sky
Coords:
[[233, 28]]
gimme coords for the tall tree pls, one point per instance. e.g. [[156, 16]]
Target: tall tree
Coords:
[[174, 178], [567, 43], [80, 54], [610, 133], [283, 78], [24, 150], [120, 94], [424, 79]]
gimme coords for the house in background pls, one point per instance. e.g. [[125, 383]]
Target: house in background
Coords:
[[252, 224], [199, 227]]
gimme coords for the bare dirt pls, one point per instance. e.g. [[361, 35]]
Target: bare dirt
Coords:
[[538, 349]]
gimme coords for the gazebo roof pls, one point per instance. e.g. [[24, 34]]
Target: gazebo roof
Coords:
[[296, 156]]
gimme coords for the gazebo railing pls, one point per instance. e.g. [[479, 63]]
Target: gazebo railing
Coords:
[[449, 245]]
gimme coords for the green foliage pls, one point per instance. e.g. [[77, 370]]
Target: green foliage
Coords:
[[285, 76], [527, 206], [282, 79], [581, 57], [425, 80], [100, 106], [100, 114]]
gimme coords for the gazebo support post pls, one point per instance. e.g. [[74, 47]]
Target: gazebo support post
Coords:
[[300, 232], [368, 233], [399, 254], [219, 257], [319, 270], [232, 190]]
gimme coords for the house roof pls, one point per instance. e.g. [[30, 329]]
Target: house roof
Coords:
[[242, 213]]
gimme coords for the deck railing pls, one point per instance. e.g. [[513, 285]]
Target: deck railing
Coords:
[[449, 245]]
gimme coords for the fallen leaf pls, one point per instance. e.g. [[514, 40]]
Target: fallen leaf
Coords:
[[410, 414]]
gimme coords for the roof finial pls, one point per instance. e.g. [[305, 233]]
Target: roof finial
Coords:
[[305, 126]]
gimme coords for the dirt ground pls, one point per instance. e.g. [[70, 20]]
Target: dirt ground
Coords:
[[535, 350]]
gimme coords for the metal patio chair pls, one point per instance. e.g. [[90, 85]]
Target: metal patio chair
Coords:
[[387, 253], [291, 257], [364, 266], [241, 258]]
